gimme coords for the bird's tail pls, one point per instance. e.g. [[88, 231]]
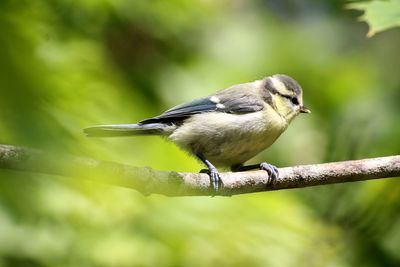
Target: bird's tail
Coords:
[[126, 130]]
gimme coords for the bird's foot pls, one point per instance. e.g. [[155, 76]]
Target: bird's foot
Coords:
[[215, 180], [273, 172]]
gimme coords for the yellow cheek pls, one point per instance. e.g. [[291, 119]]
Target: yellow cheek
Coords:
[[282, 106]]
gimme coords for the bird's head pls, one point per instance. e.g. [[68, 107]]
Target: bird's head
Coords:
[[286, 96]]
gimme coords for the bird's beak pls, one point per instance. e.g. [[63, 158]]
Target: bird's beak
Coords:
[[304, 109]]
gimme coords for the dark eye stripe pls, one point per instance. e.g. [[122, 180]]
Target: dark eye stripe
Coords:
[[292, 99]]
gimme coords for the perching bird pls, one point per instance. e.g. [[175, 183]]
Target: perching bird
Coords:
[[227, 128]]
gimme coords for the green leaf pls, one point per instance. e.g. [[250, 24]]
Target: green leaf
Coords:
[[380, 15]]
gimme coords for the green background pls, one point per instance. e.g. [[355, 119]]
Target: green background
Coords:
[[65, 65]]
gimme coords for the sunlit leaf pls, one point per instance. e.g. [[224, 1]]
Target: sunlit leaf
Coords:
[[380, 15]]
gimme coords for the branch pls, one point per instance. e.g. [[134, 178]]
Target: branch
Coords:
[[148, 180]]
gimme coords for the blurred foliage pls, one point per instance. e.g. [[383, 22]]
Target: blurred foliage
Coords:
[[65, 65], [380, 15]]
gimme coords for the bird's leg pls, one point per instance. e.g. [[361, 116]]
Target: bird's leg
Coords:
[[215, 180], [272, 171]]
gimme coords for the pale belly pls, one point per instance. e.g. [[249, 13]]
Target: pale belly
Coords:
[[226, 139]]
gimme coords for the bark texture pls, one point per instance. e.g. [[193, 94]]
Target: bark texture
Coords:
[[170, 183]]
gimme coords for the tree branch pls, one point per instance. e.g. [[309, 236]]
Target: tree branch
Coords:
[[170, 183]]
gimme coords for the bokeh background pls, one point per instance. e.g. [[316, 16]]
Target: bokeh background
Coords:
[[65, 65]]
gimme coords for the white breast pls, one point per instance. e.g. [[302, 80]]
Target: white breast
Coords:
[[229, 139]]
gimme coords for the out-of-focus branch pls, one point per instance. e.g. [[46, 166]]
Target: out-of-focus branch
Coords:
[[170, 183]]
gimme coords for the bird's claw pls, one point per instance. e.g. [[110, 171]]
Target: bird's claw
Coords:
[[272, 171], [215, 180]]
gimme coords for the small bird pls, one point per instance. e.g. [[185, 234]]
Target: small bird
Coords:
[[227, 128]]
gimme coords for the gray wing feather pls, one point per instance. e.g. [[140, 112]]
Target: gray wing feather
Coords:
[[236, 100], [184, 111], [240, 103], [193, 107]]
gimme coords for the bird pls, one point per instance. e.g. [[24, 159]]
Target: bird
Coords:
[[227, 128]]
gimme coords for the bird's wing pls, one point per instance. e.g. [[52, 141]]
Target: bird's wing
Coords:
[[233, 100]]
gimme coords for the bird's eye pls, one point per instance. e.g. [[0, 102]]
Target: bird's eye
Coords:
[[294, 100]]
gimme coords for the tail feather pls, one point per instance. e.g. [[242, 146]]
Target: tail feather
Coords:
[[125, 130]]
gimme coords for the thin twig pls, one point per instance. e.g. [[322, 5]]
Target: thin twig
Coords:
[[170, 183]]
